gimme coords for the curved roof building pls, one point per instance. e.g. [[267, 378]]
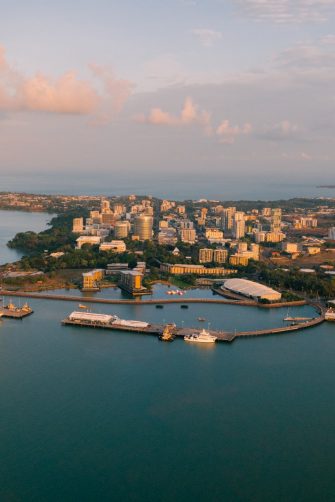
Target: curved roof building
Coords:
[[251, 289]]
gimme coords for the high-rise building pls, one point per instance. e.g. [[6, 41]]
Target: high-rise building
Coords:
[[78, 225], [266, 211], [331, 233], [188, 235], [105, 206], [239, 225], [143, 227], [121, 229], [227, 218], [276, 219]]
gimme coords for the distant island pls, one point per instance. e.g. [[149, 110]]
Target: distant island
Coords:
[[325, 186]]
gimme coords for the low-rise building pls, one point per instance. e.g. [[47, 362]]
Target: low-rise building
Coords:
[[131, 281], [181, 269], [115, 246], [206, 255], [92, 279], [87, 239]]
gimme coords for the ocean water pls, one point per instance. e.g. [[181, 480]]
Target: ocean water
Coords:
[[88, 414], [92, 415], [12, 222], [181, 187]]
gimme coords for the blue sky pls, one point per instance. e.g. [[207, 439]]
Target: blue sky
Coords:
[[179, 86]]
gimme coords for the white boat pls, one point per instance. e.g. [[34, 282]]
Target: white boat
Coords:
[[202, 337], [330, 314]]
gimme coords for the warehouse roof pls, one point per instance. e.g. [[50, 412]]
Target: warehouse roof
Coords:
[[249, 288]]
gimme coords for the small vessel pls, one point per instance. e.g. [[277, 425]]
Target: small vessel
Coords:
[[81, 306], [202, 337], [202, 319], [159, 306], [167, 335], [184, 306], [330, 314], [26, 308]]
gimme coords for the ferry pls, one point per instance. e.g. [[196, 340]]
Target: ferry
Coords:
[[330, 314], [202, 337]]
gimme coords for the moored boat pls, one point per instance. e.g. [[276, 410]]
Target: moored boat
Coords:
[[202, 337], [330, 314]]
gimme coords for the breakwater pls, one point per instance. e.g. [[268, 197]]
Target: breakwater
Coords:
[[138, 301]]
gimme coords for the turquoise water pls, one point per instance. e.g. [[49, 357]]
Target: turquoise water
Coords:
[[12, 222], [88, 414], [92, 415]]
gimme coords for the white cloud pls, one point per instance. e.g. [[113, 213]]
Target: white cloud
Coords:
[[190, 114], [206, 36], [227, 133]]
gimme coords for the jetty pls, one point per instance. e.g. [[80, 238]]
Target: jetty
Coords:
[[158, 329], [14, 312]]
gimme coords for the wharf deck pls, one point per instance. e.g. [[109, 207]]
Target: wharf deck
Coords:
[[222, 336], [15, 313]]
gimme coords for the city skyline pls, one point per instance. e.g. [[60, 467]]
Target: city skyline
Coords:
[[234, 86]]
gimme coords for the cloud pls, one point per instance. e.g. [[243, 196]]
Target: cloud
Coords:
[[66, 95], [190, 114], [287, 11], [227, 133], [206, 36], [284, 130]]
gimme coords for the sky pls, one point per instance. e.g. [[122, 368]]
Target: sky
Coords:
[[168, 90]]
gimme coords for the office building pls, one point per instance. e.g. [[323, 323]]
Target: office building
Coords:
[[188, 235], [78, 225], [239, 225], [276, 220], [121, 229], [227, 218], [143, 227]]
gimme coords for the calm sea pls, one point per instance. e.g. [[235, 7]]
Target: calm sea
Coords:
[[12, 222], [91, 415], [181, 187]]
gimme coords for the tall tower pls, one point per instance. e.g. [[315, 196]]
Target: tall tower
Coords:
[[276, 220], [239, 225], [143, 227], [105, 206], [227, 218]]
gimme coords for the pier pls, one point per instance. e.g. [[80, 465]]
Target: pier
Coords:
[[222, 336], [15, 313]]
